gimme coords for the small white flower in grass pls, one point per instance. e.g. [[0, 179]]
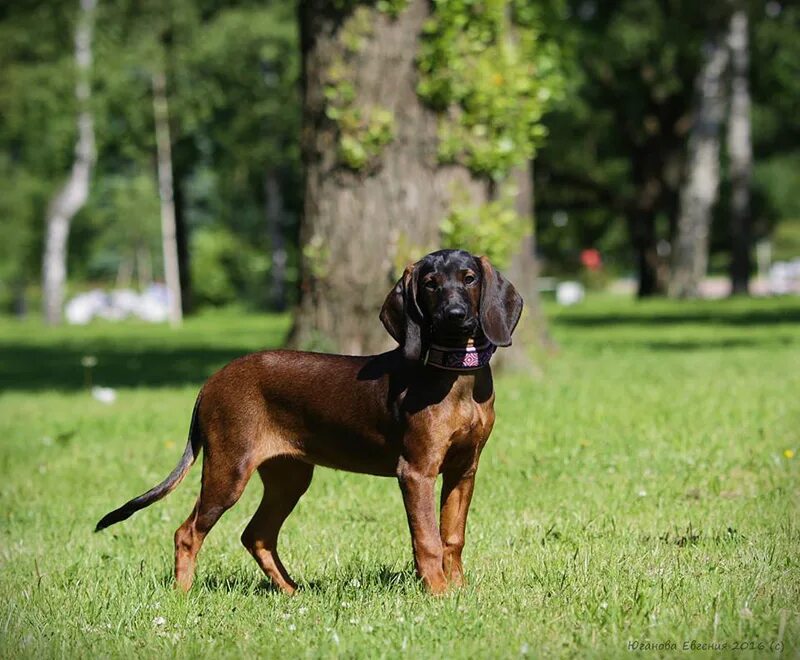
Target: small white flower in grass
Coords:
[[105, 395], [523, 650], [335, 637], [353, 621], [604, 605], [292, 627], [642, 493], [419, 619], [88, 361], [287, 615], [159, 621], [355, 583], [302, 610]]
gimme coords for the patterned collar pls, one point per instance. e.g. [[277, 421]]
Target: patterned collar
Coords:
[[464, 358]]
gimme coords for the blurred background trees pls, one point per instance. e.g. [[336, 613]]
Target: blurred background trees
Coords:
[[611, 172], [421, 125]]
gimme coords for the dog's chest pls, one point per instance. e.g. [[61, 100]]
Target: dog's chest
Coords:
[[470, 422]]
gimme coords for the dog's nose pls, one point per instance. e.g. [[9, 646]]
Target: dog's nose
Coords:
[[456, 313]]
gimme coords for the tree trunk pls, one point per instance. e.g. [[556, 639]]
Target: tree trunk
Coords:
[[523, 271], [165, 191], [144, 267], [361, 228], [740, 153], [182, 238], [73, 194], [274, 213], [701, 185], [642, 230]]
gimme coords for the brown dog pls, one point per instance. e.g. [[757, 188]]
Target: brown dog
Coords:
[[422, 409]]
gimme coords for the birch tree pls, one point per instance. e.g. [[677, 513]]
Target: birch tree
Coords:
[[167, 196], [740, 152], [72, 195], [700, 189]]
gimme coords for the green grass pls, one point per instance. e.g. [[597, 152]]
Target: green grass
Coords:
[[641, 487]]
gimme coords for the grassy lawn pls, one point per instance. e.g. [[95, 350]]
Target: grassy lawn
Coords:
[[642, 488]]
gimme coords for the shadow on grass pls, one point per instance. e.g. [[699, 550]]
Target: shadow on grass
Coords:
[[237, 583], [708, 344], [58, 367], [748, 318], [382, 577]]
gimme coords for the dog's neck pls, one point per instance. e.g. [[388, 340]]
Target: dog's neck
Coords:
[[471, 355]]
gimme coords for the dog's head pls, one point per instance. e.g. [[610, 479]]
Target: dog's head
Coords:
[[448, 297]]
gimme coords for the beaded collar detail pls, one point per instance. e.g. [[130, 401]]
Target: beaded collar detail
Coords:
[[463, 358]]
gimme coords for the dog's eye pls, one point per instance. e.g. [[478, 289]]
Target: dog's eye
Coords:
[[430, 285], [469, 279]]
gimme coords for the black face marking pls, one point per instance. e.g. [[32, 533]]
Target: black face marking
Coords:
[[449, 294]]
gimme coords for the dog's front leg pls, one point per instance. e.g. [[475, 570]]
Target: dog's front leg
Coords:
[[456, 496], [417, 486]]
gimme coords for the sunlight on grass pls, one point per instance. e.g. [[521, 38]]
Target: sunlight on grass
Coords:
[[643, 487]]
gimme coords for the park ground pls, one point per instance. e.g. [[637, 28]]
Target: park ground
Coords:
[[642, 488]]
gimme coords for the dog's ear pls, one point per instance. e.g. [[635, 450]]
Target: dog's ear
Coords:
[[401, 315], [500, 307]]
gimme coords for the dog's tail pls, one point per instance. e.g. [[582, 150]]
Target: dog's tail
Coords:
[[190, 454]]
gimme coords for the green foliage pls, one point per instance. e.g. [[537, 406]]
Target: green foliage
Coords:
[[124, 215], [786, 239], [225, 267], [362, 131], [619, 135], [316, 256], [610, 505], [488, 70], [37, 131], [624, 122], [23, 198], [392, 8], [493, 229], [232, 68]]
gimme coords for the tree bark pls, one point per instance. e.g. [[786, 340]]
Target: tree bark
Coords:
[[523, 270], [360, 229], [274, 213], [701, 185], [642, 231], [740, 152], [182, 238], [71, 197], [166, 194]]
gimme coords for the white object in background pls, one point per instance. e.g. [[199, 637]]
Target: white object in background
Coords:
[[105, 395], [154, 304], [151, 306], [784, 277], [84, 307], [570, 293]]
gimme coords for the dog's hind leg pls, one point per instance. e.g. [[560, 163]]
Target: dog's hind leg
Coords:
[[221, 488], [285, 482]]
